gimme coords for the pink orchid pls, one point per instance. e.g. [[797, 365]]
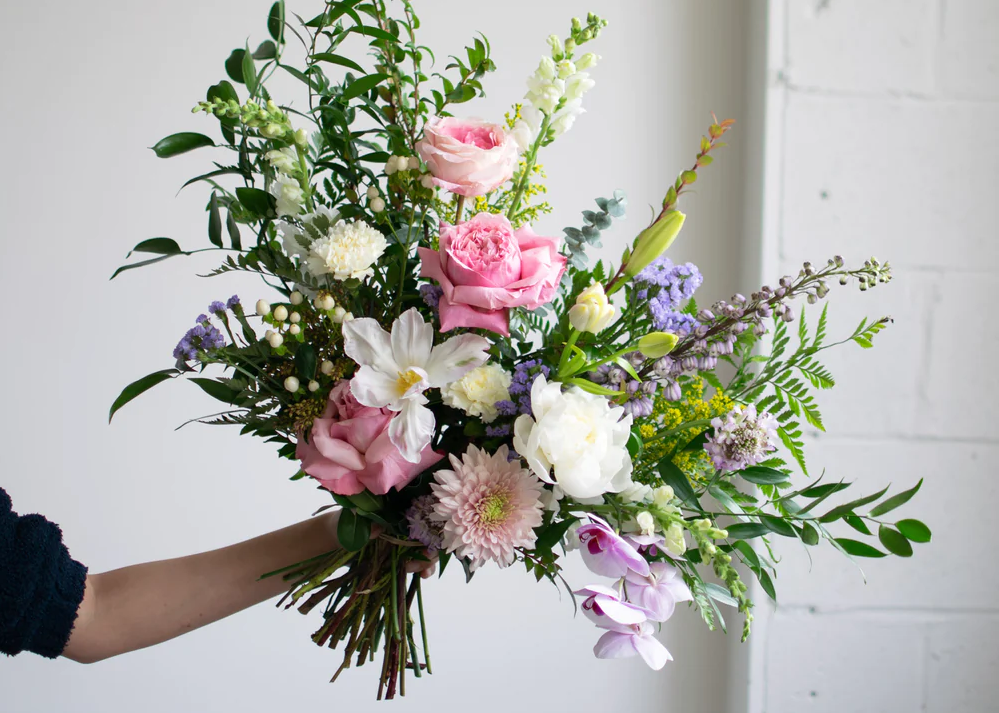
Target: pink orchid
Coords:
[[607, 553], [605, 608], [659, 592], [623, 641]]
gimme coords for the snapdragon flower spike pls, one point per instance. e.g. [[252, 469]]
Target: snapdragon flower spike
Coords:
[[607, 553], [397, 368], [659, 592]]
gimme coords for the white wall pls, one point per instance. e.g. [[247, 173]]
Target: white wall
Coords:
[[86, 88], [881, 139]]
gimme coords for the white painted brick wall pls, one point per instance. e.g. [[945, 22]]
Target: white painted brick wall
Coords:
[[881, 140]]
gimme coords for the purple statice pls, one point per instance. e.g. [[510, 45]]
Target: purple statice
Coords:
[[422, 526], [201, 337], [201, 319], [742, 439], [233, 302], [501, 431], [217, 308], [662, 287], [520, 387], [431, 295], [669, 320]]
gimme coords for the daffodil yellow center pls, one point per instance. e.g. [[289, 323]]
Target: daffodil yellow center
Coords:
[[492, 509], [407, 379]]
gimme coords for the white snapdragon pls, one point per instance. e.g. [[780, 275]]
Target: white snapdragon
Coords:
[[289, 195], [478, 391], [283, 160], [346, 250], [555, 89]]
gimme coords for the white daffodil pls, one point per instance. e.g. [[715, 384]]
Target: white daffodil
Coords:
[[398, 367]]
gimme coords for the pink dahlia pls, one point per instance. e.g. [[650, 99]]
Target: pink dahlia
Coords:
[[489, 506]]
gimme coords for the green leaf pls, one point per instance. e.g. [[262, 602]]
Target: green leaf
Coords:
[[445, 557], [809, 535], [366, 501], [233, 229], [139, 387], [857, 524], [223, 90], [275, 21], [857, 548], [818, 491], [214, 221], [337, 59], [676, 479], [894, 541], [217, 390], [777, 525], [266, 50], [896, 500], [234, 66], [305, 362], [720, 594], [249, 72], [752, 559], [157, 246], [746, 530], [362, 85], [914, 530], [141, 263], [353, 531], [697, 442], [176, 144], [553, 534], [847, 508], [763, 476], [257, 201], [374, 32], [767, 584]]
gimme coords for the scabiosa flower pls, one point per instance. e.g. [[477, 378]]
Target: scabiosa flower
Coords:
[[488, 506], [422, 527], [742, 439]]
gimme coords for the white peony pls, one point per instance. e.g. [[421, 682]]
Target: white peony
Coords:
[[347, 250], [579, 436], [477, 392], [289, 195]]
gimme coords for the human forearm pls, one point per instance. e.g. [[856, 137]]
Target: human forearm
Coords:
[[138, 606]]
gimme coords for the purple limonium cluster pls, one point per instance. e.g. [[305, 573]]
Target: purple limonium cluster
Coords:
[[742, 439], [203, 336], [431, 295], [520, 388], [639, 401], [662, 287], [645, 593], [422, 527]]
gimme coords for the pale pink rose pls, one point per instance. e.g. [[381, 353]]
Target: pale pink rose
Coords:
[[485, 268], [467, 156], [349, 448]]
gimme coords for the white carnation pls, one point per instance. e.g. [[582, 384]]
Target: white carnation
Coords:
[[347, 250], [576, 439], [477, 392], [289, 195]]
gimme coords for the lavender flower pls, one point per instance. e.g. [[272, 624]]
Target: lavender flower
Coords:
[[421, 527], [742, 439]]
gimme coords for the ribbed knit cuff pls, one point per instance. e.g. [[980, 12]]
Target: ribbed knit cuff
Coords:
[[59, 614]]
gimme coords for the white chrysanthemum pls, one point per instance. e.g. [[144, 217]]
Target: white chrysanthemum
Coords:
[[284, 160], [347, 250], [289, 195], [477, 392], [489, 506]]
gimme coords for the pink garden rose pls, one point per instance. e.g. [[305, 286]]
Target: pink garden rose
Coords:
[[467, 156], [349, 448], [485, 268]]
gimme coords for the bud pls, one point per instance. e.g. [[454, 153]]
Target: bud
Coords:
[[348, 317], [657, 344], [280, 313], [325, 301], [662, 496], [654, 241], [301, 138], [296, 298], [586, 61], [272, 131], [577, 24], [326, 367], [263, 307], [555, 42], [570, 46], [592, 311], [413, 163], [294, 329], [646, 522], [291, 384]]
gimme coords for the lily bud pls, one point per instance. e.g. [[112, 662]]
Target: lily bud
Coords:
[[654, 241], [592, 311], [657, 344]]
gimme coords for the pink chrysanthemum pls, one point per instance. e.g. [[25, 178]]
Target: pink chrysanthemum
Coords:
[[488, 505]]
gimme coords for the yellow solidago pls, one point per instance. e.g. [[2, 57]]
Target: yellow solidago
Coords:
[[668, 415]]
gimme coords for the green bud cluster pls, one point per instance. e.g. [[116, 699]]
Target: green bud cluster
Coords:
[[704, 532], [269, 119], [580, 33]]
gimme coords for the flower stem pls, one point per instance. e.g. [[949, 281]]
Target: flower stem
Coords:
[[679, 429], [567, 351], [459, 210], [423, 623], [529, 162]]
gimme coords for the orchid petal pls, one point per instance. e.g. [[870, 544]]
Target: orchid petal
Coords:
[[614, 645], [651, 649]]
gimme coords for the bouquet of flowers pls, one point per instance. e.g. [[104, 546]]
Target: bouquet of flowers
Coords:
[[466, 388]]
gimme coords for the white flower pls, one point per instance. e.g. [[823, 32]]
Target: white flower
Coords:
[[566, 69], [397, 367], [477, 392], [662, 496], [546, 96], [289, 195], [284, 160], [592, 312], [577, 85], [674, 539], [347, 250], [646, 523], [578, 435], [566, 116], [636, 493], [525, 130]]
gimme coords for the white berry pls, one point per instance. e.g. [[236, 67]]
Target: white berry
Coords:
[[263, 307], [291, 384], [280, 313], [326, 367], [296, 298], [313, 386], [377, 205]]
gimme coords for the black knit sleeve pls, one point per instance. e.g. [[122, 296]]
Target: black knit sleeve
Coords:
[[41, 586]]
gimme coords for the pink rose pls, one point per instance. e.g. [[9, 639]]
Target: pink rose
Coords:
[[485, 268], [467, 156], [349, 448]]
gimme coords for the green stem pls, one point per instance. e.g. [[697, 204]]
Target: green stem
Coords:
[[423, 624], [459, 210], [304, 180], [567, 352], [529, 162], [679, 429]]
